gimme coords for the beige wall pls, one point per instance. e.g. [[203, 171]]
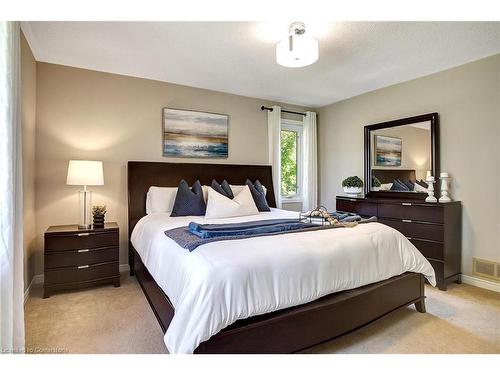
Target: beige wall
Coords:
[[83, 114], [467, 99], [28, 117]]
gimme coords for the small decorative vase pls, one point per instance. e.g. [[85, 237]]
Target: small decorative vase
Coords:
[[445, 198], [98, 221], [352, 191], [430, 190]]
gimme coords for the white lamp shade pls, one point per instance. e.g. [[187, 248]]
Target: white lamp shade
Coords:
[[297, 51], [85, 172]]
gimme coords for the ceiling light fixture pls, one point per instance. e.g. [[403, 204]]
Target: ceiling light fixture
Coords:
[[298, 49]]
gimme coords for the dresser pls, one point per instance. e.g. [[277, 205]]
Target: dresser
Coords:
[[78, 258], [434, 228]]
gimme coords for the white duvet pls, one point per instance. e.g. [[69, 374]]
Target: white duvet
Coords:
[[221, 282]]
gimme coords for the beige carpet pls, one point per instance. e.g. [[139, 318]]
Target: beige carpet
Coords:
[[465, 319]]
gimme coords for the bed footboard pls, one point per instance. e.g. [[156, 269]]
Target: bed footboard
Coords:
[[299, 327]]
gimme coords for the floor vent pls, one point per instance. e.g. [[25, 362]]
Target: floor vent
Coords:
[[486, 268]]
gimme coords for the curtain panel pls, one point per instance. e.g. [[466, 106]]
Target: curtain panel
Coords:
[[310, 162], [11, 206], [274, 134]]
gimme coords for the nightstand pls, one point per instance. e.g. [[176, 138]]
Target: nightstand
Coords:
[[79, 258]]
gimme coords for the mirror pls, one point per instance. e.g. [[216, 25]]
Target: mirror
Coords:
[[399, 155]]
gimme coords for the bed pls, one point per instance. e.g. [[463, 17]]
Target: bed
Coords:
[[223, 298]]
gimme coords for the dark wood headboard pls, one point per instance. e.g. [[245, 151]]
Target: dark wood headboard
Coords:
[[389, 175], [143, 174]]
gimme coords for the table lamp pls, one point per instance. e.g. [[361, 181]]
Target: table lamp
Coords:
[[85, 173]]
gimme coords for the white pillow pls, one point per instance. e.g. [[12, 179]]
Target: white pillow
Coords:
[[420, 188], [161, 199], [220, 206], [238, 188], [386, 186]]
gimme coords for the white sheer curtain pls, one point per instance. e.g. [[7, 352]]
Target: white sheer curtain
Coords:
[[310, 163], [273, 129], [11, 207]]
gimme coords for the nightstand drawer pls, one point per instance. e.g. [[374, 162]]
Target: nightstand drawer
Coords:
[[80, 257], [89, 240], [413, 229], [81, 273]]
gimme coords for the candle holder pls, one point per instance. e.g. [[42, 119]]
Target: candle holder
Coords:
[[430, 190], [445, 198]]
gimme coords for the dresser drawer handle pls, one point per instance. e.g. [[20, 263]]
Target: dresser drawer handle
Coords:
[[406, 221], [352, 200], [405, 204], [83, 234], [83, 250], [85, 266]]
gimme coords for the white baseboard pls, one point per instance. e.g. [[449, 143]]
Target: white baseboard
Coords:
[[124, 268], [481, 283], [38, 279]]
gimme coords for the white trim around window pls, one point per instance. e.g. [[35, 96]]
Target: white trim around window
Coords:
[[296, 126]]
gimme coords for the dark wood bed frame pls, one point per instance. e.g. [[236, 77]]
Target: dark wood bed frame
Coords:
[[284, 331]]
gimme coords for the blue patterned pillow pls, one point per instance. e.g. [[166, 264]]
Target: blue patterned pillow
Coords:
[[258, 194], [399, 186], [189, 202], [223, 189], [410, 184]]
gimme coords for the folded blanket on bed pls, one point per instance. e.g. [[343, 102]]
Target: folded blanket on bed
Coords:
[[246, 228], [185, 237]]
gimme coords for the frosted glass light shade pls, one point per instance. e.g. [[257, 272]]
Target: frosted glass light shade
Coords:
[[296, 51], [85, 172]]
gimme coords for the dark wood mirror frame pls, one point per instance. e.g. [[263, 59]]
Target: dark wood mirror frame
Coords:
[[434, 119]]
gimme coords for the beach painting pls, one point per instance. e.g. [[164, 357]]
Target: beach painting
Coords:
[[192, 134], [388, 151]]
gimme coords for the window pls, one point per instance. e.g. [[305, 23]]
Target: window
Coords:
[[291, 152]]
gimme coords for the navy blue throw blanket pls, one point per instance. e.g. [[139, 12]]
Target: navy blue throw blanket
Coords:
[[195, 234], [186, 239], [246, 228]]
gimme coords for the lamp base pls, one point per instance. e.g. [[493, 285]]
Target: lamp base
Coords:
[[85, 218]]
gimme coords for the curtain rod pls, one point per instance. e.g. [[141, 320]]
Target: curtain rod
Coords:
[[271, 109]]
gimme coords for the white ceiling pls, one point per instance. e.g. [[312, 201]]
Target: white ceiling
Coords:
[[239, 57]]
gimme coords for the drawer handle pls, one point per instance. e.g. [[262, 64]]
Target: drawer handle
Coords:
[[85, 266], [410, 238], [83, 250], [406, 221], [405, 204], [83, 234], [352, 200]]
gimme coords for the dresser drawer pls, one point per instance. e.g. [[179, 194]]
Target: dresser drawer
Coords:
[[80, 257], [438, 268], [346, 205], [81, 241], [358, 207], [433, 214], [424, 231], [85, 273], [429, 249]]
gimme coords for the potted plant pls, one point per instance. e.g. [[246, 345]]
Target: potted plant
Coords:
[[98, 213], [375, 184], [352, 186]]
